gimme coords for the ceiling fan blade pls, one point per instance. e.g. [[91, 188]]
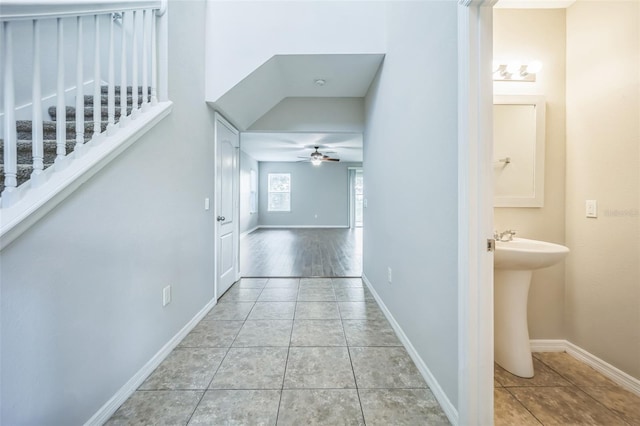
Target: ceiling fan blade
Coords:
[[330, 159]]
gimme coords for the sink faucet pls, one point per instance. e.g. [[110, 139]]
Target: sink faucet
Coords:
[[504, 236]]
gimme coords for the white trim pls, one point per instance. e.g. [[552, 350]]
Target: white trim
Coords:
[[36, 202], [28, 9], [112, 405], [245, 233], [475, 213], [304, 226], [446, 404], [623, 379], [534, 4]]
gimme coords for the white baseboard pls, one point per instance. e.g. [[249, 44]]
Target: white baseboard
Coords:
[[448, 408], [111, 406], [245, 233], [623, 379], [302, 226]]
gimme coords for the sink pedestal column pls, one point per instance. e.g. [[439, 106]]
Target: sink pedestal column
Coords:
[[512, 349]]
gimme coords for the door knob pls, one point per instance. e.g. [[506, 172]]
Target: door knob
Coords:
[[221, 218]]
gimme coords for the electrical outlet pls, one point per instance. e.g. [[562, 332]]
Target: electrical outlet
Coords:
[[207, 204], [389, 275], [166, 295]]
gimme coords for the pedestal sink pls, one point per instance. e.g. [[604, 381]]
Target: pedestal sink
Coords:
[[514, 262]]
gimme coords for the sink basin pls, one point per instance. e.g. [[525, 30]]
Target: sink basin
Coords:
[[524, 254], [514, 263]]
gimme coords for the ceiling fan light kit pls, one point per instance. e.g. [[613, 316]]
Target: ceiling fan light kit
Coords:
[[317, 157]]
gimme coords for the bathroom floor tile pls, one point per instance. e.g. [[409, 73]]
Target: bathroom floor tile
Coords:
[[210, 333], [573, 370], [360, 311], [317, 310], [543, 376], [278, 295], [251, 368], [185, 368], [237, 407], [290, 283], [156, 408], [370, 333], [564, 406], [508, 410], [353, 294], [401, 407], [388, 368], [346, 282], [318, 368], [273, 311], [622, 402], [320, 407], [318, 333], [264, 333], [230, 311], [312, 294]]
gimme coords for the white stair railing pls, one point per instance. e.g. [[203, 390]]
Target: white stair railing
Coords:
[[137, 61]]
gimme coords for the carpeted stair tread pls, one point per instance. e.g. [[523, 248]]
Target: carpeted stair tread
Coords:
[[23, 128], [105, 89], [88, 112], [25, 150], [88, 100]]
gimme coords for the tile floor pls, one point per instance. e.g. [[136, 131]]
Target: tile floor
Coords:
[[287, 352], [564, 391]]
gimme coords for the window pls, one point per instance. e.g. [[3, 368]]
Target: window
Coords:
[[279, 192]]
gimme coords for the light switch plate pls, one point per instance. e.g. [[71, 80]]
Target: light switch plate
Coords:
[[166, 295], [591, 207]]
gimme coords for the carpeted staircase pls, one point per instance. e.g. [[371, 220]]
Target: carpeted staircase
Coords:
[[23, 127]]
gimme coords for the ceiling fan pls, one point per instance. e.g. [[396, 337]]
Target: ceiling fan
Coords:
[[317, 157]]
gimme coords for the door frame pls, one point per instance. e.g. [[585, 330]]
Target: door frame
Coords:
[[475, 212], [218, 120], [351, 173]]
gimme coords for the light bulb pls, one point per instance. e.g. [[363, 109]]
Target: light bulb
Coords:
[[316, 161], [534, 67]]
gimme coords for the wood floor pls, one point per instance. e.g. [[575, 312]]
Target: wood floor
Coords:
[[302, 253]]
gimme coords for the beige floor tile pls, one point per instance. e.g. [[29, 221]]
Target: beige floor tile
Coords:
[[508, 411], [624, 403], [565, 406], [543, 376], [401, 407], [573, 370], [320, 407]]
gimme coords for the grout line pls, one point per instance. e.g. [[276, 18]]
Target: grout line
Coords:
[[286, 363]]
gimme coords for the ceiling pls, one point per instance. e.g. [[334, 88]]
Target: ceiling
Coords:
[[289, 146], [296, 76]]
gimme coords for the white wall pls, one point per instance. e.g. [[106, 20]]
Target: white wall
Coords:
[[314, 115], [81, 308], [284, 27], [516, 36], [315, 190], [603, 164], [410, 163], [248, 220]]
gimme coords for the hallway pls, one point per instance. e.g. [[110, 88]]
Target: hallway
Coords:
[[314, 351]]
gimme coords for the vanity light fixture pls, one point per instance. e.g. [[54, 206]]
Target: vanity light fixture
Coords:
[[516, 71]]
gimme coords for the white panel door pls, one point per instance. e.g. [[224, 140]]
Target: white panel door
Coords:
[[227, 215]]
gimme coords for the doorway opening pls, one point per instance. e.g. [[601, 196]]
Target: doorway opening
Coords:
[[356, 197]]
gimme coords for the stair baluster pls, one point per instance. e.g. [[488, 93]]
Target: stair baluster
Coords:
[[134, 65], [145, 61], [154, 60], [79, 91], [111, 100], [9, 195], [97, 104], [37, 149], [61, 123], [123, 73]]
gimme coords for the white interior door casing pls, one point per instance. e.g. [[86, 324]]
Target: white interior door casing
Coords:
[[227, 143]]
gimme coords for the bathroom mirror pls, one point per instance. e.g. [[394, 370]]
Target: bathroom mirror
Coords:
[[518, 150]]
